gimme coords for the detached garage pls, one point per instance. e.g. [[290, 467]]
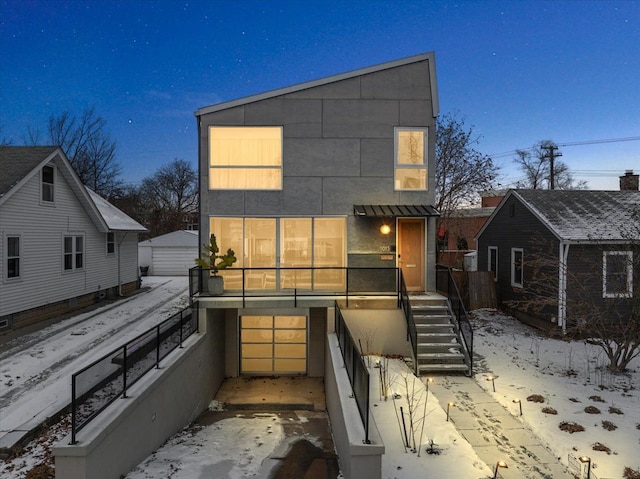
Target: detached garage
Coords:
[[169, 255]]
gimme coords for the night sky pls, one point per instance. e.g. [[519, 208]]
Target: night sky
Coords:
[[519, 71]]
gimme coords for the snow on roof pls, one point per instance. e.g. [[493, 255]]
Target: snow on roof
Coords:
[[115, 219], [176, 238], [586, 215]]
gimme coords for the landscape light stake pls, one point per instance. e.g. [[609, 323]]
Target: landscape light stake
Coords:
[[499, 464], [449, 405], [493, 382], [586, 459], [519, 403]]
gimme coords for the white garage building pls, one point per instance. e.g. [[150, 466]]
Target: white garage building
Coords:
[[169, 255]]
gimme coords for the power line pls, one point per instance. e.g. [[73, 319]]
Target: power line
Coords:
[[575, 143]]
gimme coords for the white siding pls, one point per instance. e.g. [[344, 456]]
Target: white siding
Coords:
[[42, 229], [173, 261]]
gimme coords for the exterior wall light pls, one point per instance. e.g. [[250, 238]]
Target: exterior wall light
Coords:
[[385, 229], [499, 464]]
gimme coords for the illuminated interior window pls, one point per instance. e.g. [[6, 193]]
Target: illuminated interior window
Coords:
[[245, 158], [411, 159], [280, 253]]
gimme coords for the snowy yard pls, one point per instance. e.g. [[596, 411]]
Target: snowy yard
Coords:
[[568, 377]]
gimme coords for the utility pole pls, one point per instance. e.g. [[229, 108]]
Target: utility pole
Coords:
[[551, 155]]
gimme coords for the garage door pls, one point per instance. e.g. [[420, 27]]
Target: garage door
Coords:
[[273, 344], [173, 261]]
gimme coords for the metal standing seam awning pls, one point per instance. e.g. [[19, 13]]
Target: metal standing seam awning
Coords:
[[392, 211]]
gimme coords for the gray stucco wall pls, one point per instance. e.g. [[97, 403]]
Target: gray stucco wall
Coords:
[[338, 148]]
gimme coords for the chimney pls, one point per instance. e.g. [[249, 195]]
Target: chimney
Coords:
[[629, 182]]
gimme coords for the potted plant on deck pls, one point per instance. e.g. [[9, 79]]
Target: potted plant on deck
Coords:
[[211, 261]]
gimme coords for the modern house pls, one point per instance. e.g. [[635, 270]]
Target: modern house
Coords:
[[553, 250], [63, 246]]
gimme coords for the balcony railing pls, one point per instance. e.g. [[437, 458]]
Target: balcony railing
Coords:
[[320, 281]]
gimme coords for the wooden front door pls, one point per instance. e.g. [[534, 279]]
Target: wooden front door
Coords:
[[411, 252]]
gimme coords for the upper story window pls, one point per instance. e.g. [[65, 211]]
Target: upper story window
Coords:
[[13, 257], [617, 274], [410, 159], [111, 242], [493, 261], [517, 260], [73, 252], [245, 158], [48, 173]]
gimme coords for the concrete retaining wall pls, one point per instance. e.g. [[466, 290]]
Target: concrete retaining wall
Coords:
[[162, 403], [357, 460]]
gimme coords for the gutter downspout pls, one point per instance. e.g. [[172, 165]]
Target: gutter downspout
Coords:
[[562, 286], [119, 265]]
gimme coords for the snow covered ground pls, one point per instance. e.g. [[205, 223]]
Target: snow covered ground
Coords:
[[569, 377]]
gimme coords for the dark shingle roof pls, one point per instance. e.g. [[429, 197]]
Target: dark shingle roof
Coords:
[[586, 215], [16, 162]]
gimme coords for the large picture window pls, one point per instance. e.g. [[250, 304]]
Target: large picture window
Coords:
[[517, 257], [13, 257], [245, 158], [411, 159], [617, 274], [73, 252], [281, 252]]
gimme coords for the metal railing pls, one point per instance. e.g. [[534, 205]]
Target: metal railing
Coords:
[[446, 285], [356, 369], [412, 331], [311, 281], [99, 384]]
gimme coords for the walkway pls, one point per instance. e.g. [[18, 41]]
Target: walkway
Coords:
[[495, 433]]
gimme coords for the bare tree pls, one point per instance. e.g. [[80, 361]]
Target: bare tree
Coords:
[[88, 146], [461, 171], [170, 196], [536, 168]]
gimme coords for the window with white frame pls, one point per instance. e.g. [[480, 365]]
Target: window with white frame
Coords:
[[517, 267], [47, 180], [73, 253], [245, 158], [410, 171], [13, 256], [111, 242], [493, 261], [617, 274]]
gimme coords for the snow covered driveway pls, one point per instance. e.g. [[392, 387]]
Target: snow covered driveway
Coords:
[[36, 369]]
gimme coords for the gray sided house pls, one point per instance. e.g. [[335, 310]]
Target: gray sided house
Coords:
[[553, 251], [299, 182], [62, 246]]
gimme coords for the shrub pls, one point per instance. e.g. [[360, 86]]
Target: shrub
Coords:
[[535, 398], [570, 427], [596, 399], [609, 426], [592, 410], [598, 446], [631, 473], [549, 410], [615, 410]]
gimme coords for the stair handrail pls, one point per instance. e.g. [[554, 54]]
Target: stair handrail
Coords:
[[446, 285], [412, 331]]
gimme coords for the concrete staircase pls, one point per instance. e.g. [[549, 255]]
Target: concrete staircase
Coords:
[[439, 350]]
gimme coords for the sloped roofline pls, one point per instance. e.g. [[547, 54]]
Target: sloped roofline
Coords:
[[58, 157], [430, 57]]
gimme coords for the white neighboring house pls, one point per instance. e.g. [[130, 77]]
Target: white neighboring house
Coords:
[[62, 246], [171, 254]]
